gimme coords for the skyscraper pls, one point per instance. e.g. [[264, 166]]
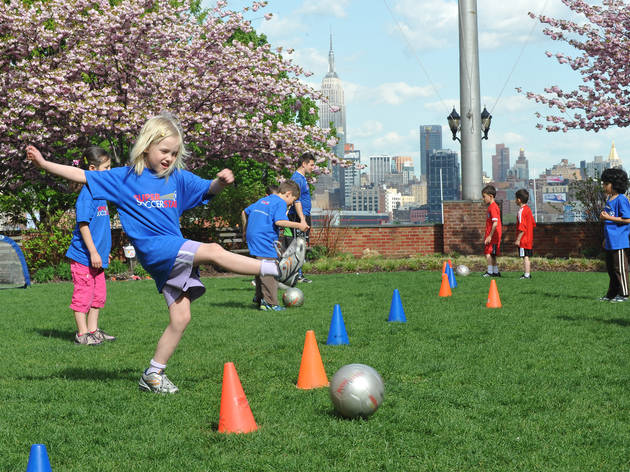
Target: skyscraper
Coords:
[[500, 163], [448, 162], [380, 168], [350, 176], [522, 166], [430, 140], [333, 91]]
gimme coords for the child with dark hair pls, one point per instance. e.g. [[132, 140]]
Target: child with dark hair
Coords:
[[89, 256], [301, 209], [492, 236], [616, 216], [525, 238]]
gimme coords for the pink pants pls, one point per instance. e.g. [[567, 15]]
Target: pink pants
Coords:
[[90, 290]]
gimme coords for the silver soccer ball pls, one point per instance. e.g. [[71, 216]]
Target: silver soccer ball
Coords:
[[356, 390], [293, 297], [462, 270]]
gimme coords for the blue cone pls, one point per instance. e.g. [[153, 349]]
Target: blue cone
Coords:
[[396, 311], [38, 459], [337, 332], [451, 276]]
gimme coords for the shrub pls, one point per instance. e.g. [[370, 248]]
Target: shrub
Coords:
[[48, 249], [62, 271], [116, 267], [43, 275]]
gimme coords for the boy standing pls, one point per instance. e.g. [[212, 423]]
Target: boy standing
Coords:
[[525, 228], [492, 237], [261, 222], [301, 210], [616, 216]]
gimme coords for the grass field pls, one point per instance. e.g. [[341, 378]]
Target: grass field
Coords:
[[542, 384]]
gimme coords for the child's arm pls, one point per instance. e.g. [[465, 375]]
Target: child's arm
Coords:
[[67, 172], [301, 225], [244, 225], [298, 209], [617, 219], [494, 227], [518, 238], [95, 257], [223, 178]]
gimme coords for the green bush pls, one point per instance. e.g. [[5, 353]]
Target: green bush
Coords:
[[140, 271], [43, 275], [62, 271], [48, 248], [116, 267]]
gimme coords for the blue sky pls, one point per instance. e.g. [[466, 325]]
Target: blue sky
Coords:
[[399, 64]]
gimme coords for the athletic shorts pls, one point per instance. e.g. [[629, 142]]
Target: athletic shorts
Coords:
[[492, 249], [184, 277], [90, 290], [522, 252]]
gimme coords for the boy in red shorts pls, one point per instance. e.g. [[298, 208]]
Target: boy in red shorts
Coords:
[[492, 237]]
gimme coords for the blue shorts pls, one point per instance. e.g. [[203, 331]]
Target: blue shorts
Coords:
[[184, 277]]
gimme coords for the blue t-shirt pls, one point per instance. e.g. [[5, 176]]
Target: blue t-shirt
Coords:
[[616, 234], [96, 213], [149, 207], [261, 225], [305, 193]]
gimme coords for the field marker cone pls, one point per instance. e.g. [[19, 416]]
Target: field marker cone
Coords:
[[493, 296], [396, 311], [444, 267], [337, 333], [312, 373], [451, 276], [235, 415], [38, 459], [445, 288]]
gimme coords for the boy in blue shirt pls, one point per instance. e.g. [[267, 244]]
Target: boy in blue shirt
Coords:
[[261, 223], [301, 210], [616, 216]]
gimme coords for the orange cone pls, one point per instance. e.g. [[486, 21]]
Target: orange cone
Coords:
[[450, 264], [493, 296], [444, 267], [235, 415], [445, 288], [312, 373]]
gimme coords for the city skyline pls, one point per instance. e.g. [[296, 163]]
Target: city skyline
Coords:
[[399, 67]]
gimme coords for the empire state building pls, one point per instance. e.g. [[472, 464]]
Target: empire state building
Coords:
[[333, 91]]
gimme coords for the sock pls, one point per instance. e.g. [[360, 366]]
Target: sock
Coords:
[[526, 274], [490, 270], [155, 368], [495, 269], [268, 267]]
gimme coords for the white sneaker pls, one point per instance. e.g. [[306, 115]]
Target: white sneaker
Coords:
[[157, 382], [291, 262]]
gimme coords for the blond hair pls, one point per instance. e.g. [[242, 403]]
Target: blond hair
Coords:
[[155, 130]]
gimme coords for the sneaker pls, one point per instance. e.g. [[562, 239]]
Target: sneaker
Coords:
[[157, 382], [525, 276], [486, 274], [282, 286], [304, 280], [291, 261], [87, 339], [256, 301], [264, 306], [619, 299], [103, 336], [604, 299]]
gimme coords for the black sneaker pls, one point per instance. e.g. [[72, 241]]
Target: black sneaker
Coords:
[[619, 299], [525, 276], [304, 280], [604, 299], [486, 274]]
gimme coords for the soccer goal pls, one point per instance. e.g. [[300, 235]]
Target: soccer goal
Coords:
[[13, 270]]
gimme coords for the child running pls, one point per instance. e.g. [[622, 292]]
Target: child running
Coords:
[[616, 216], [261, 223], [89, 255], [151, 194]]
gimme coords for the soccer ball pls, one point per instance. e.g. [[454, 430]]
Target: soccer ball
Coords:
[[356, 390], [462, 270], [293, 297]]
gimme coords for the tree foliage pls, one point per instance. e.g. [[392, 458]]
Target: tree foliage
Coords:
[[80, 72], [603, 45], [591, 197]]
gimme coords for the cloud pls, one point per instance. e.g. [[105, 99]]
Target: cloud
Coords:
[[396, 93], [335, 8], [367, 129], [280, 26]]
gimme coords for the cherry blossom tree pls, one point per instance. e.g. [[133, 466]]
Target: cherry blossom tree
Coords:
[[79, 72], [603, 43]]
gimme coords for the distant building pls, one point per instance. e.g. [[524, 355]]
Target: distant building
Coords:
[[500, 163], [446, 186], [350, 175], [332, 89], [363, 199], [399, 162], [380, 168], [521, 166], [430, 140]]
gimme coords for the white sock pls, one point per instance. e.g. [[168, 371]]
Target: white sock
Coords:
[[495, 269], [490, 270], [268, 267], [526, 274], [155, 368]]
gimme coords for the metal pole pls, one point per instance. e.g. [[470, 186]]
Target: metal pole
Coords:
[[441, 196], [535, 203], [469, 100]]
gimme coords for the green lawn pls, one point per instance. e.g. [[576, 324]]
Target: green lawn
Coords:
[[542, 384]]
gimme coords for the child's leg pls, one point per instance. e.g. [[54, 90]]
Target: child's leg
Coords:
[[526, 265], [215, 254], [82, 327], [179, 317], [489, 263], [98, 298], [620, 268], [269, 287], [92, 319], [612, 283]]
